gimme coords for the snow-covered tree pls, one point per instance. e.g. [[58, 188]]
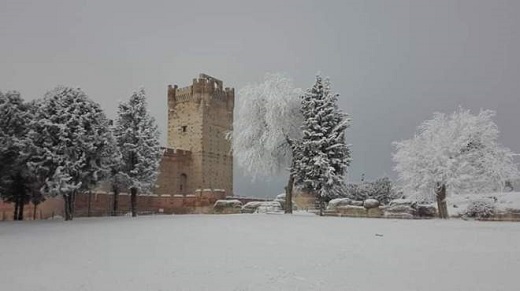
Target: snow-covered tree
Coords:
[[118, 179], [452, 154], [16, 182], [137, 138], [323, 155], [74, 140], [267, 128]]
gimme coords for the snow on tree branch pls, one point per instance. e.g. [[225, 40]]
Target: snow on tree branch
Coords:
[[268, 122]]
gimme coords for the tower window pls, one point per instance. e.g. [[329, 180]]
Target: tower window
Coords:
[[184, 128]]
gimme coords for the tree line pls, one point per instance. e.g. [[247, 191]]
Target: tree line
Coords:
[[281, 128], [63, 144]]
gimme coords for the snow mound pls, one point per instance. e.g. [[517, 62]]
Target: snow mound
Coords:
[[261, 207], [269, 207], [227, 206], [371, 203], [335, 203]]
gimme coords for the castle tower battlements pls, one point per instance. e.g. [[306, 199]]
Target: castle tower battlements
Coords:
[[205, 88], [199, 117]]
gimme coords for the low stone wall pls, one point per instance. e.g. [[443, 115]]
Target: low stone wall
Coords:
[[356, 211]]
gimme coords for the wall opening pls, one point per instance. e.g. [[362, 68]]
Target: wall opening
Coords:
[[183, 182]]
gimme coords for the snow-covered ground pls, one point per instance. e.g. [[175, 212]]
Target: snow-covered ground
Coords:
[[258, 252]]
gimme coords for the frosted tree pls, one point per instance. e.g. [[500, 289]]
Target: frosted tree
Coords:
[[16, 181], [323, 155], [74, 141], [137, 138], [118, 179], [267, 129], [452, 154]]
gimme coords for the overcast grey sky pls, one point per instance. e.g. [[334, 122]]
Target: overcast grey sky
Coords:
[[394, 62]]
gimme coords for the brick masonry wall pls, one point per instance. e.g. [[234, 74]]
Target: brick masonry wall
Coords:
[[101, 205]]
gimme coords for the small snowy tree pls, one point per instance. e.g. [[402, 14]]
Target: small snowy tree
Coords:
[[267, 129], [16, 182], [323, 155], [74, 141], [452, 154], [137, 138]]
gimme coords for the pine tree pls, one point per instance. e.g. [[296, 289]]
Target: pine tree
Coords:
[[137, 138], [16, 183], [74, 141], [323, 155]]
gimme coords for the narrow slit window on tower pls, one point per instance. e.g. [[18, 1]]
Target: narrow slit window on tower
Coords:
[[184, 128]]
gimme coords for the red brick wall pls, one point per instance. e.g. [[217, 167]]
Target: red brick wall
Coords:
[[101, 205], [51, 207]]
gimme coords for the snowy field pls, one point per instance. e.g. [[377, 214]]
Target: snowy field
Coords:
[[258, 252]]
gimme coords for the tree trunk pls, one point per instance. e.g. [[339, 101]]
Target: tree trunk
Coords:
[[89, 206], [16, 207], [69, 205], [20, 209], [288, 195], [66, 199], [73, 204], [133, 201], [34, 211], [322, 205], [115, 205], [441, 201]]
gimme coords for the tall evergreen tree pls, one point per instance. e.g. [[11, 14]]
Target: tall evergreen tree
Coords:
[[75, 142], [323, 155], [137, 137], [15, 179]]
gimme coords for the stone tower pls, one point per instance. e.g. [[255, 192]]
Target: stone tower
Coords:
[[199, 117]]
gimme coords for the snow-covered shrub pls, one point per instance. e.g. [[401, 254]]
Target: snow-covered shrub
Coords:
[[227, 206], [382, 190], [334, 203], [268, 206], [426, 210], [250, 207], [480, 208]]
